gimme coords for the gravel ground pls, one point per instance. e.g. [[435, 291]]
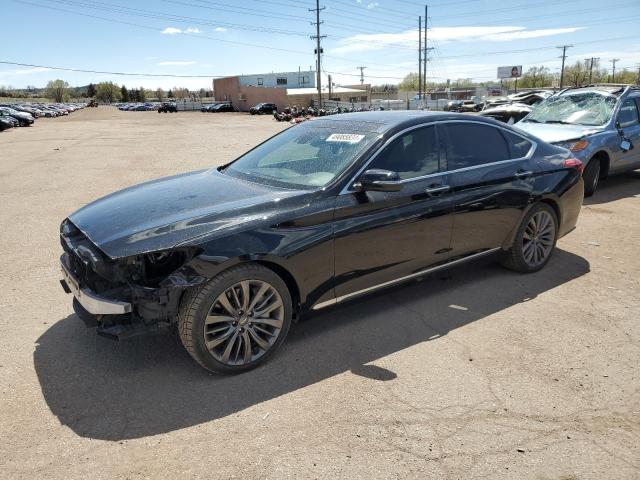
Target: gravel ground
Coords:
[[476, 373]]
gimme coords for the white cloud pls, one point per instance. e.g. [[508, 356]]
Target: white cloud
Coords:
[[171, 31], [408, 38], [177, 62], [175, 31], [29, 71], [221, 29], [522, 34], [372, 5]]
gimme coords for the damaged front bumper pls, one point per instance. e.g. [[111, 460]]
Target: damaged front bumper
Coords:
[[90, 301]]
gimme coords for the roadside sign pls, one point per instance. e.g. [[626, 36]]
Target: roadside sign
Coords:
[[512, 71]]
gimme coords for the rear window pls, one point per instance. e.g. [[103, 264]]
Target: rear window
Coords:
[[471, 144], [518, 146]]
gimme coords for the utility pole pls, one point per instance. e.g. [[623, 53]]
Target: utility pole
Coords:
[[317, 37], [426, 51], [361, 74], [420, 58], [564, 56], [591, 60], [613, 75]]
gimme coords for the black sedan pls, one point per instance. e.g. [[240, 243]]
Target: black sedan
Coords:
[[323, 212], [168, 107], [262, 108], [5, 123]]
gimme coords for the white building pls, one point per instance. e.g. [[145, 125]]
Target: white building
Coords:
[[299, 79]]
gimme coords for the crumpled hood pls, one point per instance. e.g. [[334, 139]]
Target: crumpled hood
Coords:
[[164, 213], [555, 132]]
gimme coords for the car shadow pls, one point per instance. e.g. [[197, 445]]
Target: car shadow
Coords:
[[616, 188], [146, 386]]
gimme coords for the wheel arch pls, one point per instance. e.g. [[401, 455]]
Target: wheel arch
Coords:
[[605, 162], [548, 200]]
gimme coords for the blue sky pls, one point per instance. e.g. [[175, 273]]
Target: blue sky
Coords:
[[226, 37]]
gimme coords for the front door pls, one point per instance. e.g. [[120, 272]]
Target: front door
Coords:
[[383, 236], [628, 122]]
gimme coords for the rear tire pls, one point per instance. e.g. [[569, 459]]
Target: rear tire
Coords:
[[534, 242], [224, 338], [591, 176]]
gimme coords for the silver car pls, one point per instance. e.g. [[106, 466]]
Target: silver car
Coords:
[[600, 125]]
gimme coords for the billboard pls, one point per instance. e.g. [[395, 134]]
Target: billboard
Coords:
[[512, 71]]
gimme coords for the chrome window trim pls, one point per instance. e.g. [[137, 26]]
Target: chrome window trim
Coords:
[[426, 271], [348, 188]]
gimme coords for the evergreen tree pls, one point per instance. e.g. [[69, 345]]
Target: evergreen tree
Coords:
[[91, 90], [125, 93]]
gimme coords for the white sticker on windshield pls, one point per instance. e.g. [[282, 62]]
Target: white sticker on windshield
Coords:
[[345, 137]]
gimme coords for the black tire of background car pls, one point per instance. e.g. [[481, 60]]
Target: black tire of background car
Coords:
[[195, 306], [513, 259], [591, 176]]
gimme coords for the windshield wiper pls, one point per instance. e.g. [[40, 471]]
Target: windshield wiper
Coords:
[[532, 120], [561, 122]]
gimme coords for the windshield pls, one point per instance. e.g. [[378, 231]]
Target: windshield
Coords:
[[308, 155], [579, 109]]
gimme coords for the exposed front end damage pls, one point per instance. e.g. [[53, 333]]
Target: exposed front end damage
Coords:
[[126, 296]]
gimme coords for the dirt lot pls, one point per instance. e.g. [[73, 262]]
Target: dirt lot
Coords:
[[477, 373]]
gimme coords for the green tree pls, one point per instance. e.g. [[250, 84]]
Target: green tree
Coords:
[[536, 77], [124, 93], [142, 95], [57, 90], [91, 90], [169, 94], [160, 94], [108, 92], [409, 83]]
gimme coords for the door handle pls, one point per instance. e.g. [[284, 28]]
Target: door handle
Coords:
[[437, 189], [523, 173]]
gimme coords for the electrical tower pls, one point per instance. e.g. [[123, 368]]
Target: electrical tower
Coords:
[[563, 57], [317, 37], [361, 74]]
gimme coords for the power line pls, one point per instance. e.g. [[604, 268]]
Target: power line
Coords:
[[67, 69]]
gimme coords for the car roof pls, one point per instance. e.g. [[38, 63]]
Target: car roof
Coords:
[[601, 89], [386, 121]]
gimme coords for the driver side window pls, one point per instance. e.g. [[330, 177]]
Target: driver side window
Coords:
[[628, 115], [411, 155]]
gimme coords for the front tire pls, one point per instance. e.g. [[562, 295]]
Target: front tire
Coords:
[[236, 321], [534, 242], [591, 176]]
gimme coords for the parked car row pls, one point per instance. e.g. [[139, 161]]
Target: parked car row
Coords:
[[218, 107], [137, 107], [24, 114]]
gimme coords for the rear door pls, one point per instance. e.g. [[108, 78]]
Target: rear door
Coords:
[[492, 178]]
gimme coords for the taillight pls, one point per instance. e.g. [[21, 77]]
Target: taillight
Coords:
[[574, 163]]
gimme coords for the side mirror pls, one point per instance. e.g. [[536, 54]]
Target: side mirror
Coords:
[[378, 180]]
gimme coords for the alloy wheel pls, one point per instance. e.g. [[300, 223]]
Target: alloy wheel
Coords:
[[244, 322], [538, 238]]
